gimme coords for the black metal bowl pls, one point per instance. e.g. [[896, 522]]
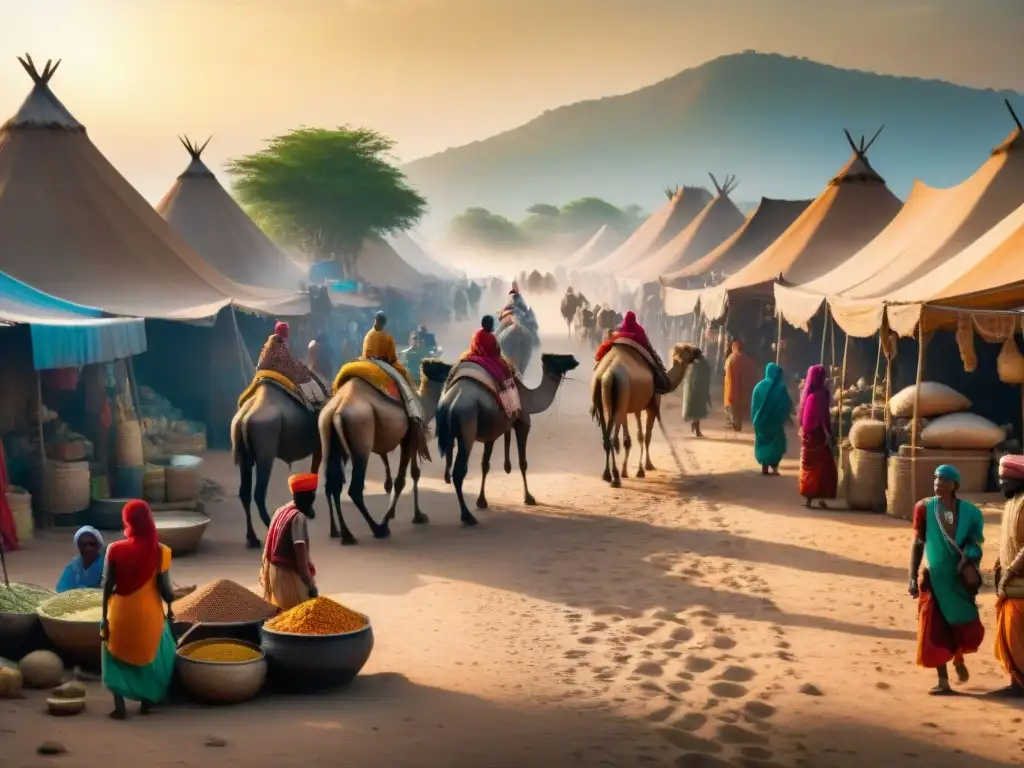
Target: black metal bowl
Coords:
[[316, 662]]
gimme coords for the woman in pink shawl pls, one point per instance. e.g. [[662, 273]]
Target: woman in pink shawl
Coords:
[[818, 475]]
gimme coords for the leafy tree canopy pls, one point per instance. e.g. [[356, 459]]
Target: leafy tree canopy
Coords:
[[543, 209], [479, 226], [326, 190]]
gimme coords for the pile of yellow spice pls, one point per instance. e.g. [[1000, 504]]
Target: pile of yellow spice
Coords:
[[319, 616]]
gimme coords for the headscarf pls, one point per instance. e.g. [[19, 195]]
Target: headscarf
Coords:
[[75, 574], [282, 330], [948, 472], [135, 558], [303, 482], [88, 529], [1011, 466], [632, 329], [771, 390], [815, 401]]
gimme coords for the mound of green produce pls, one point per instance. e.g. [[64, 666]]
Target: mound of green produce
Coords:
[[22, 598], [67, 604]]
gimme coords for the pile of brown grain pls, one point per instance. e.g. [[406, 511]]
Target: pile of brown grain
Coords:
[[222, 601]]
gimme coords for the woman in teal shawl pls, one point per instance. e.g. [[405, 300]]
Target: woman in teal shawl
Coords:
[[770, 408], [948, 534]]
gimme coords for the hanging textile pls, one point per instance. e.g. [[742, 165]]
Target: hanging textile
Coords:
[[8, 534]]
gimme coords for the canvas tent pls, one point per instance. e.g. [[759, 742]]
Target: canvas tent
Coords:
[[72, 226], [855, 206], [415, 255], [719, 219], [668, 221], [604, 241], [932, 228], [379, 265], [217, 228], [769, 220]]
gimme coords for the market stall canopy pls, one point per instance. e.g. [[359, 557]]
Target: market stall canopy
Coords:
[[72, 226], [988, 274], [855, 206], [215, 226], [769, 220], [719, 219], [66, 335], [604, 241], [932, 228], [416, 256], [667, 222]]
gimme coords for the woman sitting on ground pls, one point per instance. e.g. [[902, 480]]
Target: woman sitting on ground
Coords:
[[85, 571]]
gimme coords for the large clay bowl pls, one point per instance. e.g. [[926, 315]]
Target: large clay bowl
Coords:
[[221, 682], [181, 530], [314, 662]]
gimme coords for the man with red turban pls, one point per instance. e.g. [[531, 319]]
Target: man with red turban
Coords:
[[633, 331], [276, 356], [287, 574]]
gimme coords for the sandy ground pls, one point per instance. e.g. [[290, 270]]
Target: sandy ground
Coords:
[[695, 618]]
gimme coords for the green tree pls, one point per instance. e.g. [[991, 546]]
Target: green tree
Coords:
[[543, 209], [479, 226], [326, 191]]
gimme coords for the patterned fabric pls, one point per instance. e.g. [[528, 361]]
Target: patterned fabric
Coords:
[[372, 374], [275, 356], [818, 475]]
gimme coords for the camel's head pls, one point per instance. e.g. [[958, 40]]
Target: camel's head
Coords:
[[684, 354], [557, 365], [434, 370]]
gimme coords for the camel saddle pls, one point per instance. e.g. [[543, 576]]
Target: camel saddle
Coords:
[[506, 396], [386, 379], [661, 384], [310, 396]]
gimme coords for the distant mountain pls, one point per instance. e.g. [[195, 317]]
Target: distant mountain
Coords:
[[775, 122]]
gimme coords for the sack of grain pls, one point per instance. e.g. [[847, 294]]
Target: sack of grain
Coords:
[[868, 435], [1010, 363], [936, 400], [962, 431]]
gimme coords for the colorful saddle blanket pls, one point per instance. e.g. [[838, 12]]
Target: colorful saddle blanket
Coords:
[[620, 341], [386, 380], [311, 396], [486, 372]]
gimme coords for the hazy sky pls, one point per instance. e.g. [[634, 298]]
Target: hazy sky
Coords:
[[436, 73]]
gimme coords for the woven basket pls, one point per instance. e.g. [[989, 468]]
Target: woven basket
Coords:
[[974, 472], [865, 480], [184, 478], [154, 484], [20, 502], [129, 444], [68, 488]]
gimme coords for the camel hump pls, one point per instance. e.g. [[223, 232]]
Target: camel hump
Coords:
[[638, 348], [273, 379], [480, 372]]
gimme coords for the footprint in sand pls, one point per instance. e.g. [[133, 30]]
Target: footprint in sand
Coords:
[[759, 710], [723, 642], [575, 654], [737, 674], [680, 686], [756, 753], [661, 715], [650, 669], [642, 631], [698, 664], [690, 722], [681, 634], [587, 640], [728, 690], [734, 734], [689, 742], [597, 626]]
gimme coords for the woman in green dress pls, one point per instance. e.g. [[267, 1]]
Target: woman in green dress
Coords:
[[770, 409], [697, 393]]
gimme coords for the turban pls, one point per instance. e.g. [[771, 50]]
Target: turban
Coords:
[[948, 472], [1011, 466], [281, 329], [303, 482]]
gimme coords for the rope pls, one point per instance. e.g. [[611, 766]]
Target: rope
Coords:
[[671, 447]]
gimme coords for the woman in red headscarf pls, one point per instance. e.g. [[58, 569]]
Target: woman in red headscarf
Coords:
[[138, 648], [632, 330]]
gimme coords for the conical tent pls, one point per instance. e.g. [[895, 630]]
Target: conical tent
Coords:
[[416, 256], [852, 210], [719, 219], [73, 227], [604, 241], [202, 212], [380, 265], [684, 205], [769, 220]]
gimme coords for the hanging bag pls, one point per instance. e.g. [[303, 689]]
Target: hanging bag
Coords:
[[970, 574]]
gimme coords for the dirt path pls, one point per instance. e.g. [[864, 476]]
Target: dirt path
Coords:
[[702, 619]]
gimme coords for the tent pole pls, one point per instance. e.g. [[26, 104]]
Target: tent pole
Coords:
[[824, 335], [842, 388], [778, 340], [917, 407], [874, 383], [44, 503]]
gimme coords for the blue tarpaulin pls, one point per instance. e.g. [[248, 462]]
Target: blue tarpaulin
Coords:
[[67, 335]]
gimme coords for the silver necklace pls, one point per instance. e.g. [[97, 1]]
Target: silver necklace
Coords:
[[947, 513]]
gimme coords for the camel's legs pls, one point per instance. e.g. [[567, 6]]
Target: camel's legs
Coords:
[[388, 481], [399, 486], [485, 467], [613, 430], [245, 495], [318, 458], [355, 492], [627, 444], [334, 483], [640, 441], [522, 428], [264, 467], [418, 517], [508, 447], [652, 416], [464, 445]]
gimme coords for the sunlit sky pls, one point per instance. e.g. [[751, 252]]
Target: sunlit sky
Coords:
[[438, 73]]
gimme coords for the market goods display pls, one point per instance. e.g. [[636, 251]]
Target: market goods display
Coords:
[[222, 601], [936, 400], [319, 616], [225, 652], [22, 598], [41, 669], [1010, 363], [868, 435], [70, 605], [962, 431]]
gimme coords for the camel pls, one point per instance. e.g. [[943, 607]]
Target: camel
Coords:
[[270, 425], [623, 384], [586, 325], [571, 304], [469, 413], [517, 343], [359, 421]]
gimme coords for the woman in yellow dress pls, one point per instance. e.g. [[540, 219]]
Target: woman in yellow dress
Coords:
[[138, 648]]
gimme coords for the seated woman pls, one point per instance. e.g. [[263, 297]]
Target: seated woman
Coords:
[[85, 571], [276, 356], [485, 352], [632, 330]]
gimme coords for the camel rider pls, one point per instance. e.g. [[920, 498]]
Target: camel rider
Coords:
[[378, 344], [485, 352], [276, 356], [517, 304], [429, 340], [633, 331], [413, 355]]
